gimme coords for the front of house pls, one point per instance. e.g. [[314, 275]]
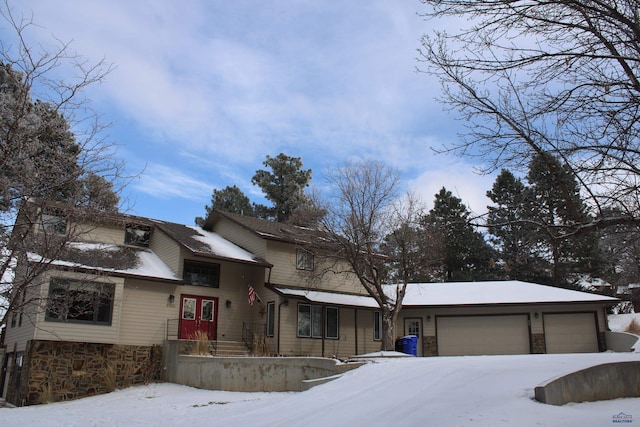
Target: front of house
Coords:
[[131, 283]]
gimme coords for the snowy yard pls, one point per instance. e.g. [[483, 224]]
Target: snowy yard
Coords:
[[444, 391]]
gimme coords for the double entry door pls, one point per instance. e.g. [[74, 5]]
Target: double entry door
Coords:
[[198, 317]]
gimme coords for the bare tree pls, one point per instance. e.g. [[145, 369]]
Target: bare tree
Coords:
[[361, 214], [55, 167], [558, 77]]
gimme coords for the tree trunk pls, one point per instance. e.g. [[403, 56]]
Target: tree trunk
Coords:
[[388, 329]]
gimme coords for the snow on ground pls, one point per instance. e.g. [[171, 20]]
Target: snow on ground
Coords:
[[440, 391], [444, 391], [620, 322]]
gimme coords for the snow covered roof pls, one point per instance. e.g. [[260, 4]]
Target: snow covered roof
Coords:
[[145, 265], [496, 292], [325, 297], [459, 294], [208, 243]]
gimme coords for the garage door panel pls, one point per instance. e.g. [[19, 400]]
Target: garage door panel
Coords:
[[570, 333], [478, 335]]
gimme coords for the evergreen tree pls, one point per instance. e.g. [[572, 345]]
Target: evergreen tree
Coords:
[[283, 185], [462, 253], [511, 231], [557, 207], [229, 199]]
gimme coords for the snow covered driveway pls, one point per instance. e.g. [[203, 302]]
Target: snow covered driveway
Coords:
[[444, 391]]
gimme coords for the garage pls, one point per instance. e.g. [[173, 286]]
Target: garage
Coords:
[[479, 335], [570, 333]]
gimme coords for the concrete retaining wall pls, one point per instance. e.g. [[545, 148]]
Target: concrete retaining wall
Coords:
[[601, 382], [620, 341], [248, 373]]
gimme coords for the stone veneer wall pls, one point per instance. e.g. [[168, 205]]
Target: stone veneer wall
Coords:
[[429, 346], [538, 344], [58, 370]]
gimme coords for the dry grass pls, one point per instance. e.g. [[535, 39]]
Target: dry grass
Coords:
[[46, 394], [109, 377], [200, 343], [634, 327]]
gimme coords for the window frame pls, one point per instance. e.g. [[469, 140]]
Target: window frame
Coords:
[[377, 326], [53, 224], [99, 292], [305, 260], [313, 320], [213, 268], [137, 235], [271, 319]]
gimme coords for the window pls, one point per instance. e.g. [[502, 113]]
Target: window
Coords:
[[54, 224], [199, 274], [80, 301], [137, 235], [377, 326], [304, 260], [310, 321], [332, 323], [271, 323]]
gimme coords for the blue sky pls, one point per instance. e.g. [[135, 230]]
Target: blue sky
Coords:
[[203, 91]]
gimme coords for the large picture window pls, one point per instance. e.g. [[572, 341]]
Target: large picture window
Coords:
[[80, 301], [310, 321], [200, 274]]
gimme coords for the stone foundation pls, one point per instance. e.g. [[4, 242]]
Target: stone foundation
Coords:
[[537, 344], [54, 371], [429, 346]]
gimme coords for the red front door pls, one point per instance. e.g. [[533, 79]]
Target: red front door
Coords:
[[198, 316]]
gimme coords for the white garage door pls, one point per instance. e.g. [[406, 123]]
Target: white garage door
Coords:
[[570, 333], [469, 335]]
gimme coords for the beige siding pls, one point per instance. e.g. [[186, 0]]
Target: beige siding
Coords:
[[345, 346], [145, 311], [242, 237], [100, 234], [283, 257], [167, 249], [61, 331]]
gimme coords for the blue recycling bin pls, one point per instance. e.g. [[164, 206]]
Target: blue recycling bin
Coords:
[[410, 345]]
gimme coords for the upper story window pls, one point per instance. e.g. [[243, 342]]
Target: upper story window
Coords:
[[80, 301], [201, 274], [54, 224], [304, 260], [137, 235]]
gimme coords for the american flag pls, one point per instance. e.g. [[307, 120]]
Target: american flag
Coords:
[[252, 295]]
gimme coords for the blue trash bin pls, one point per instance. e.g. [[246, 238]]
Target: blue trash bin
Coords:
[[410, 345]]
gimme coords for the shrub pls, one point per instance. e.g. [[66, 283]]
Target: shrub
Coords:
[[634, 327]]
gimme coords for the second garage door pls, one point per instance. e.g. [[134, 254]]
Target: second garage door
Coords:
[[571, 333], [477, 335]]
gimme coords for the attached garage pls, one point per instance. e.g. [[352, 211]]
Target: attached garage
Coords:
[[570, 333], [479, 335], [505, 317]]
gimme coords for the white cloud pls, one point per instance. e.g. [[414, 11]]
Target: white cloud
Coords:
[[165, 182], [459, 178]]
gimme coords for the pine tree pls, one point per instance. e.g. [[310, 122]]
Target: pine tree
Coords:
[[511, 231], [461, 252], [229, 199], [283, 185]]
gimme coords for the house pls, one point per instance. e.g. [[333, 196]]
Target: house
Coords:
[[124, 285], [103, 308]]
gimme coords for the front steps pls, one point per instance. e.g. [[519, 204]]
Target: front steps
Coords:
[[230, 349]]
